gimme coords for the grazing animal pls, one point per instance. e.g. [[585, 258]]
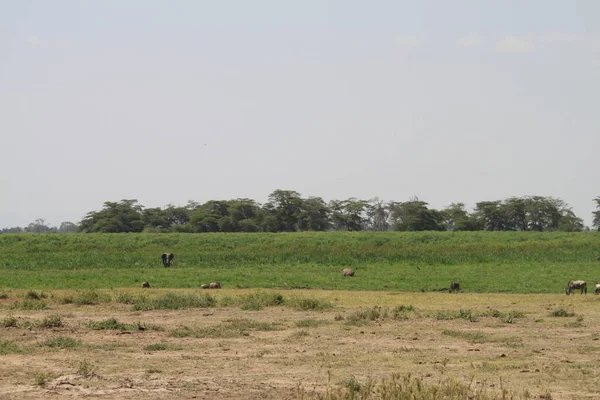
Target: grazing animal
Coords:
[[597, 288], [454, 286], [215, 285], [146, 285], [167, 258], [348, 272], [205, 286], [582, 285]]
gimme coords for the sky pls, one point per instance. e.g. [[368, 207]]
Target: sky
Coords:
[[171, 101]]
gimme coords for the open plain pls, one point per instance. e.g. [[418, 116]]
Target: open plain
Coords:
[[290, 344]]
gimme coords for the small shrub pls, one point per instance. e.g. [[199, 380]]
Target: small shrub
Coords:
[[41, 378], [309, 323], [61, 342], [9, 322], [174, 301], [51, 321], [473, 337], [33, 295], [561, 312], [312, 304], [89, 297], [128, 298], [86, 369], [352, 385], [3, 295], [156, 347], [10, 347], [257, 301], [29, 305], [367, 315], [401, 312], [301, 333], [228, 329], [113, 324]]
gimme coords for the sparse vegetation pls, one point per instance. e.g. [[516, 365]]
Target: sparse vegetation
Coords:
[[113, 324], [51, 321], [160, 347], [10, 347], [561, 312], [61, 342], [174, 301], [9, 322], [309, 304], [253, 301], [29, 305], [228, 329], [410, 387]]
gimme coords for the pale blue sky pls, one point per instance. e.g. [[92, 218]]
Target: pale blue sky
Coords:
[[170, 101]]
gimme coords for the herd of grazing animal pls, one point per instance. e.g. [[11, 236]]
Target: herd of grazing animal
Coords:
[[454, 285]]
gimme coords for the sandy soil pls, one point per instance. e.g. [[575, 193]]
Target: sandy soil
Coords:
[[306, 352]]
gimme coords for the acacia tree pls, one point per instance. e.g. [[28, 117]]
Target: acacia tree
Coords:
[[285, 207], [378, 215], [124, 216], [414, 215], [596, 214], [457, 218], [314, 215], [67, 227], [40, 226]]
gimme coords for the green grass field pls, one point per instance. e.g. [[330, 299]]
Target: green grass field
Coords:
[[512, 262]]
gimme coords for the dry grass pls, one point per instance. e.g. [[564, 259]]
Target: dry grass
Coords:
[[305, 344]]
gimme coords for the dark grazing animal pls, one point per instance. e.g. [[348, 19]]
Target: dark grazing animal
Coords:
[[348, 272], [597, 288], [167, 258], [146, 284], [454, 287], [582, 285]]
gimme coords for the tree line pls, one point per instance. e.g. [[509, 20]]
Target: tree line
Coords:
[[288, 211]]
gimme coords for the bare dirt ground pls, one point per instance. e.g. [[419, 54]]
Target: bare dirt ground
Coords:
[[288, 354]]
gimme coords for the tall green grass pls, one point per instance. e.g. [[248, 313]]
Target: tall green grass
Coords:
[[516, 262]]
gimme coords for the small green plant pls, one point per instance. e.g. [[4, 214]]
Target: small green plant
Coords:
[[86, 369], [41, 378], [352, 384]]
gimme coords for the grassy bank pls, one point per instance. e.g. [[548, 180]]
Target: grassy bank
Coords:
[[516, 262]]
